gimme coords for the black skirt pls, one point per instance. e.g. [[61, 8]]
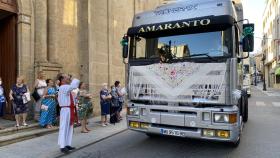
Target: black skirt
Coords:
[[113, 114]]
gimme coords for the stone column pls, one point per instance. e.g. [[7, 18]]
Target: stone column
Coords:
[[83, 33], [52, 30], [26, 41], [40, 31], [25, 44]]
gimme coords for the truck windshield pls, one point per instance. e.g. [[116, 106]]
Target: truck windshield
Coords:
[[213, 44]]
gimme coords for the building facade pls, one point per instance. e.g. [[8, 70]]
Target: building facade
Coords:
[[271, 42], [79, 37], [259, 63]]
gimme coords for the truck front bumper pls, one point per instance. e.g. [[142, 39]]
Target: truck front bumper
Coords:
[[188, 125], [196, 133]]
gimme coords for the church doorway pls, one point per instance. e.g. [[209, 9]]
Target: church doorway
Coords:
[[8, 48]]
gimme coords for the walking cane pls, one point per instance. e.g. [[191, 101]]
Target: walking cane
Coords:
[[14, 106]]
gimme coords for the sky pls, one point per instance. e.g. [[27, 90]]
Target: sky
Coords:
[[253, 10]]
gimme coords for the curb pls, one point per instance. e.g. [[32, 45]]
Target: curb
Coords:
[[92, 143], [18, 137], [21, 128]]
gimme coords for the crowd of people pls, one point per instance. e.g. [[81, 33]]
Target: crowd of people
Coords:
[[47, 107], [64, 101], [111, 103]]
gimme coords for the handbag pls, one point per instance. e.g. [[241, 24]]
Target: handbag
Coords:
[[26, 98], [44, 107], [35, 95]]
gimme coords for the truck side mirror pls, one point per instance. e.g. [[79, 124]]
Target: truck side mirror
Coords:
[[248, 38], [124, 44]]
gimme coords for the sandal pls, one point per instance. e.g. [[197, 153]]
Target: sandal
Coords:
[[88, 129], [84, 131], [25, 124], [17, 125]]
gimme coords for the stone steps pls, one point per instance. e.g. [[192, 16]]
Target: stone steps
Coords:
[[13, 130], [14, 135]]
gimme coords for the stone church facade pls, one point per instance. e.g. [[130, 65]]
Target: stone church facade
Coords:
[[79, 37]]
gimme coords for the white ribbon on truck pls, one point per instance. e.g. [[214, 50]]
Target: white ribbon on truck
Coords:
[[184, 82]]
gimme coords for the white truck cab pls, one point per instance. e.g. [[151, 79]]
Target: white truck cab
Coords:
[[184, 73]]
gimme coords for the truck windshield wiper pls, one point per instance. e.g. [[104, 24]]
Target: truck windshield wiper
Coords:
[[202, 54]]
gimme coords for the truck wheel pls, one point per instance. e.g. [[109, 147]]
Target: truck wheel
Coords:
[[245, 109], [151, 135], [235, 144]]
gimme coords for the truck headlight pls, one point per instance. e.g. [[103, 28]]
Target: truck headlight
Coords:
[[225, 118], [133, 111]]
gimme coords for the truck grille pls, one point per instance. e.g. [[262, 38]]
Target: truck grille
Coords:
[[192, 129], [172, 111]]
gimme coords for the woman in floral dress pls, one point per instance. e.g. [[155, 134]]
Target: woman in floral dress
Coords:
[[84, 106], [16, 96]]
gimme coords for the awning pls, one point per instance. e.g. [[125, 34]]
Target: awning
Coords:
[[277, 71], [199, 24]]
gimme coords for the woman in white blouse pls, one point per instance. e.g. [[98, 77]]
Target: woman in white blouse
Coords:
[[40, 85]]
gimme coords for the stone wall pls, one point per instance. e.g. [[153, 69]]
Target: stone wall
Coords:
[[108, 22], [80, 37]]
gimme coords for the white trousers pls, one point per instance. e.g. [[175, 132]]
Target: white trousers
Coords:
[[65, 130]]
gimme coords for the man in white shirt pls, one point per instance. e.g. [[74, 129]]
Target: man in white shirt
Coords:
[[67, 112]]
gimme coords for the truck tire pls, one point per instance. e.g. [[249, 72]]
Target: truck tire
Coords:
[[249, 95], [151, 135], [244, 106], [235, 144], [245, 109]]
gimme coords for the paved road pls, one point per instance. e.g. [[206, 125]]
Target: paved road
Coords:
[[260, 139]]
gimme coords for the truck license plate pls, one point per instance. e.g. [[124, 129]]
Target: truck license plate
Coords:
[[171, 132]]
